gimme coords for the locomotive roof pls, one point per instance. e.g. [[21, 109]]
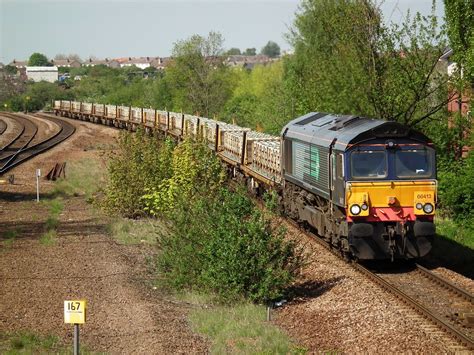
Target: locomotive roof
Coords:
[[323, 128]]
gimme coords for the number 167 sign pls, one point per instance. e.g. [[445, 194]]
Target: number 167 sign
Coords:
[[75, 312]]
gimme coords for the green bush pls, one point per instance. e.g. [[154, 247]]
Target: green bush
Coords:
[[140, 163], [223, 244], [456, 189]]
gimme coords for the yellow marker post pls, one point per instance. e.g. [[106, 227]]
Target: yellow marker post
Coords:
[[75, 313]]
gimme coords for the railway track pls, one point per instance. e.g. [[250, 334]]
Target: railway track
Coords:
[[21, 150], [446, 305], [3, 126]]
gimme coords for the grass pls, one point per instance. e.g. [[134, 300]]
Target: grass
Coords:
[[460, 233], [49, 238], [29, 343], [9, 237], [240, 329], [129, 231], [83, 178], [454, 245]]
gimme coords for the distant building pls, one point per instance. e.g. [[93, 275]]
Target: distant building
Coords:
[[19, 64], [160, 63], [111, 63], [140, 62], [65, 63], [247, 61], [42, 74], [1, 66]]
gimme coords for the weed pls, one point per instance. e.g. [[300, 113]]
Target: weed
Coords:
[[83, 179], [9, 237], [129, 231], [242, 328], [26, 342], [49, 238]]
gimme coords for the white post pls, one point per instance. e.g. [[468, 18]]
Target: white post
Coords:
[[38, 174]]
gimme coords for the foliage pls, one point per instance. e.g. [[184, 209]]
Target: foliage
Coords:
[[197, 78], [271, 49], [192, 163], [260, 99], [363, 66], [457, 189], [222, 243], [140, 163], [10, 69], [241, 329], [37, 95], [459, 20], [38, 60], [233, 51], [250, 51]]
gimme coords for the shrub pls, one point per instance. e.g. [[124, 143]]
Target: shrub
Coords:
[[457, 190], [223, 244], [194, 169], [140, 163]]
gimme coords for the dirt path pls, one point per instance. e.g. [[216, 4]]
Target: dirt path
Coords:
[[125, 315]]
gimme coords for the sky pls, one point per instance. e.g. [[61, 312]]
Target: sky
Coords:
[[124, 28]]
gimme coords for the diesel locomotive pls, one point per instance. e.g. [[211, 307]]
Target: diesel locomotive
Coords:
[[367, 186]]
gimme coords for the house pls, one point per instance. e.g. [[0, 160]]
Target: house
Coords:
[[139, 62], [66, 63], [19, 64], [160, 63], [459, 103], [247, 61], [111, 63], [42, 74]]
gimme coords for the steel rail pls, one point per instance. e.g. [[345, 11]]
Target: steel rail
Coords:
[[418, 307], [66, 130], [15, 138], [445, 283], [462, 338], [3, 126], [21, 142]]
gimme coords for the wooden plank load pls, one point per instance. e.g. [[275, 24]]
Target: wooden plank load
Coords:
[[99, 109], [175, 124], [136, 114], [265, 158], [123, 113], [65, 105], [111, 111], [149, 117], [75, 106], [87, 108], [57, 104]]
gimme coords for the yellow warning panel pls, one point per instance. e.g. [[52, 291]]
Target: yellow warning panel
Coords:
[[75, 312]]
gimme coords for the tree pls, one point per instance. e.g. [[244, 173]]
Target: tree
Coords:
[[459, 21], [250, 51], [38, 60], [60, 57], [271, 49], [233, 51], [198, 79], [348, 61], [10, 69]]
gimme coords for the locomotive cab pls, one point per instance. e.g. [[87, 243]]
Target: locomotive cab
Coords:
[[390, 198], [366, 186]]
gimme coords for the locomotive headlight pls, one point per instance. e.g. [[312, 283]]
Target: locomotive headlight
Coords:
[[428, 208], [364, 207], [419, 206], [355, 209]]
